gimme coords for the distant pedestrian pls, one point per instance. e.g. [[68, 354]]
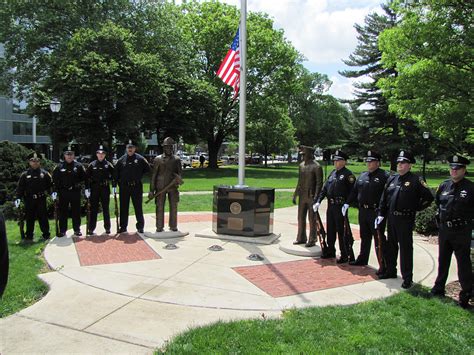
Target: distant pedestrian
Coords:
[[202, 160]]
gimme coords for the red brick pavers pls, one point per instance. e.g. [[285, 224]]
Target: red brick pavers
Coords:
[[295, 277], [111, 249]]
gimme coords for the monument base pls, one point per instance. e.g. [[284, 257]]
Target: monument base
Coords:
[[165, 234], [265, 239], [299, 249]]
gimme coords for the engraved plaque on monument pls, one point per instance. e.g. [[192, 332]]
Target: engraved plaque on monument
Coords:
[[246, 211]]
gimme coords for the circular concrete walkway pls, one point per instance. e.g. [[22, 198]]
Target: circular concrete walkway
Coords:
[[128, 293]]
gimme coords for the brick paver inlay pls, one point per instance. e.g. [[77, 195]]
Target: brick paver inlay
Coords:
[[295, 277], [111, 249]]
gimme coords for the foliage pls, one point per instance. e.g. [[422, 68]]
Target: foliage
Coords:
[[432, 51], [375, 127], [425, 222]]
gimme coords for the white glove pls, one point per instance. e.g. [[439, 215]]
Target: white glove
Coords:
[[87, 192], [17, 202], [378, 220], [316, 207], [114, 190], [54, 195], [344, 209]]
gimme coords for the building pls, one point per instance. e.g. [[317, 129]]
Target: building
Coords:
[[21, 128]]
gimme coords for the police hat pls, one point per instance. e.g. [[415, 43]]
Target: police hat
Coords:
[[35, 156], [339, 155], [69, 149], [457, 162], [131, 143], [372, 156], [405, 156], [101, 149], [168, 141]]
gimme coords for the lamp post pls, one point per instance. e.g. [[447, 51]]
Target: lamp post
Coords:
[[55, 106], [426, 136]]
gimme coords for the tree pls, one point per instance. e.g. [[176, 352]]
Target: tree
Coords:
[[374, 126], [432, 50], [270, 129], [211, 26]]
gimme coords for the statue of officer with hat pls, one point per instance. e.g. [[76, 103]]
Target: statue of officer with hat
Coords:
[[404, 194], [99, 174], [68, 177], [130, 169], [165, 180], [310, 182], [455, 201], [33, 187], [336, 189]]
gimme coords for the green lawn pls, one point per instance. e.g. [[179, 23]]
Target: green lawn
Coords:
[[408, 322]]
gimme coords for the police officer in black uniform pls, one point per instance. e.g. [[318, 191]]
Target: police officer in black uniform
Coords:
[[455, 200], [33, 187], [366, 196], [99, 174], [404, 194], [337, 190], [68, 177], [130, 169]]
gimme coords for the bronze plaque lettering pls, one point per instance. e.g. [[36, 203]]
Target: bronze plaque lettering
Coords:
[[235, 223]]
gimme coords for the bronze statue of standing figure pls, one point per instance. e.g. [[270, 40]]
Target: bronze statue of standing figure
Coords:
[[310, 182], [165, 180]]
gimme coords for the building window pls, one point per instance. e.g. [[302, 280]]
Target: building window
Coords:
[[22, 129]]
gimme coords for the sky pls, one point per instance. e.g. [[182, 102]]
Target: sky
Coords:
[[322, 30]]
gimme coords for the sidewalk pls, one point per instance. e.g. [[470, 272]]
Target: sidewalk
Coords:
[[127, 294]]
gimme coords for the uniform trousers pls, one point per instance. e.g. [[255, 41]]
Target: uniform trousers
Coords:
[[69, 198], [36, 209], [367, 232], [335, 225], [135, 193], [400, 236], [99, 195]]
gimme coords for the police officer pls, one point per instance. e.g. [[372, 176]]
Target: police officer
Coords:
[[366, 196], [337, 190], [404, 194], [455, 200], [166, 169], [130, 169], [310, 182], [99, 174], [33, 186], [68, 177]]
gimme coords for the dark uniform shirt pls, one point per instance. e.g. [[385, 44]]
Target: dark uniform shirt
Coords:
[[368, 188], [456, 202], [33, 182], [68, 176], [99, 173], [405, 194], [131, 168], [338, 186]]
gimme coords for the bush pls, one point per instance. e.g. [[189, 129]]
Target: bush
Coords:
[[12, 163], [425, 221]]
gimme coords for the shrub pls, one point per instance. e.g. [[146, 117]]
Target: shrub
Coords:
[[425, 221]]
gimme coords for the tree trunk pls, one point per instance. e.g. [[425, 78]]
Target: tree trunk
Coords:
[[213, 145], [266, 154]]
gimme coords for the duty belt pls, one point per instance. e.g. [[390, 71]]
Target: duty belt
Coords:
[[455, 223], [36, 196], [368, 206], [404, 213], [336, 201]]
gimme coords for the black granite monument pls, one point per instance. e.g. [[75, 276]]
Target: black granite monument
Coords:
[[244, 211]]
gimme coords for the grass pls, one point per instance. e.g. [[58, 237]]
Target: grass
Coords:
[[408, 322]]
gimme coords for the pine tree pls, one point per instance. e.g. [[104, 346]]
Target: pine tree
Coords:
[[375, 127]]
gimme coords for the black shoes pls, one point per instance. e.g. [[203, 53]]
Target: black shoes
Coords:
[[342, 260], [388, 275], [159, 230], [78, 233], [174, 229], [122, 230], [328, 255], [357, 263], [407, 284], [107, 231], [437, 293], [62, 234], [140, 230]]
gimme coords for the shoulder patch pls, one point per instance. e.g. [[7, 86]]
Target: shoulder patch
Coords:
[[351, 178]]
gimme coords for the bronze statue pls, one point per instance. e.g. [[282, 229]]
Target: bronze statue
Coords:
[[165, 180], [310, 182]]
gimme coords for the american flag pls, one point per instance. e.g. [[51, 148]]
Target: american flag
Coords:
[[229, 71]]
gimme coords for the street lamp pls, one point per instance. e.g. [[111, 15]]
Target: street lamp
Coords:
[[55, 106], [426, 136]]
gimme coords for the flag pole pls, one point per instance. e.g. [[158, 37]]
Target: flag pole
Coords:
[[243, 90]]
